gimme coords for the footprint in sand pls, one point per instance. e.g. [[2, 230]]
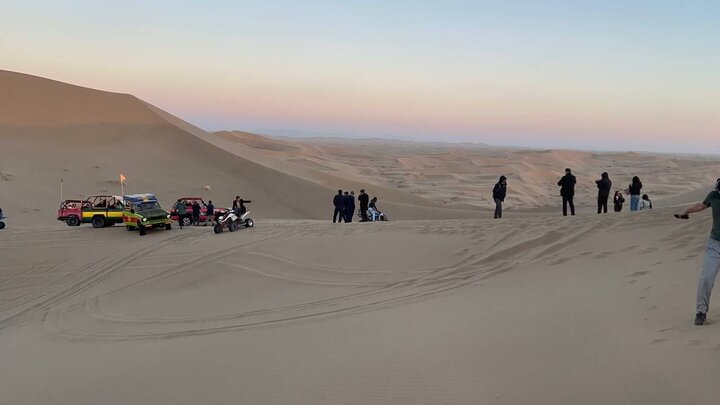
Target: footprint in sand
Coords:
[[648, 250], [460, 252], [638, 274], [656, 341], [694, 342]]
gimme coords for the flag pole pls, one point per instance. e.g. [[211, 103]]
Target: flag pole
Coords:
[[61, 190], [122, 186]]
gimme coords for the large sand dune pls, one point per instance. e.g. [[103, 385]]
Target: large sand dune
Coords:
[[532, 309]]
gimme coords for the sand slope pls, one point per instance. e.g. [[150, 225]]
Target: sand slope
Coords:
[[590, 310], [50, 130]]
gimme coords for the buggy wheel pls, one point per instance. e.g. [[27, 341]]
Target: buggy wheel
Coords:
[[217, 228], [98, 221], [249, 223], [129, 228], [73, 221], [142, 230], [186, 221]]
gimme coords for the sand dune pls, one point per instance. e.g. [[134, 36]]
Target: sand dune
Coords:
[[567, 307]]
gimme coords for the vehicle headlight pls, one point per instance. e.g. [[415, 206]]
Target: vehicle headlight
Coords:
[[221, 217], [144, 219], [168, 216]]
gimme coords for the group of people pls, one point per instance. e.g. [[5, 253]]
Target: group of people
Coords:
[[344, 204], [567, 192], [195, 211]]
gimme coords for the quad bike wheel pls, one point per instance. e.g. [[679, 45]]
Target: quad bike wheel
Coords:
[[98, 222], [2, 225], [73, 221], [217, 228], [249, 223], [233, 227]]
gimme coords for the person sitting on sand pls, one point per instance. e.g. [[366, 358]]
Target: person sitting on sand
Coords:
[[618, 201], [645, 203], [375, 213], [711, 264]]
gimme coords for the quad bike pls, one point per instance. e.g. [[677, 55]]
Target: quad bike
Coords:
[[232, 222], [2, 224]]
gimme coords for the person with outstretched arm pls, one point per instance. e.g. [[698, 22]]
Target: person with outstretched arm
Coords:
[[499, 194], [339, 203], [711, 263], [567, 191]]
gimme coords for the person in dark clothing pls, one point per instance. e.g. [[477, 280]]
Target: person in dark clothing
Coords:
[[618, 201], [499, 193], [181, 210], [209, 213], [338, 202], [567, 191], [196, 213], [239, 206], [364, 200], [349, 206], [634, 191], [604, 186]]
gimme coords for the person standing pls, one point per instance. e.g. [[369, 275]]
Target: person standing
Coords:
[[339, 203], [196, 213], [209, 213], [181, 210], [349, 206], [499, 193], [364, 200], [711, 264], [618, 201], [634, 191], [567, 191], [604, 186]]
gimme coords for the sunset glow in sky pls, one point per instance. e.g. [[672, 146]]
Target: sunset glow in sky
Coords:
[[577, 74]]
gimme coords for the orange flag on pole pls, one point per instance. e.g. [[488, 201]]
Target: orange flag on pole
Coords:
[[122, 178]]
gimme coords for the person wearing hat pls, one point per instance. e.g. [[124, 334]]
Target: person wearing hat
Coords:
[[711, 263], [499, 193]]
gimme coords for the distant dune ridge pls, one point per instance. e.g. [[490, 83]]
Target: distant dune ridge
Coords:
[[51, 130]]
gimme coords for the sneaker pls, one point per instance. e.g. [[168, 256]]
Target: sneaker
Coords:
[[700, 319]]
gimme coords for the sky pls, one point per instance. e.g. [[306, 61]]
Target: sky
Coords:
[[605, 75]]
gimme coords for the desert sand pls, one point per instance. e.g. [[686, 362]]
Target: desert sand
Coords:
[[440, 305]]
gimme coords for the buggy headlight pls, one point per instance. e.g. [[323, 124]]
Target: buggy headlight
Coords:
[[144, 219], [168, 216]]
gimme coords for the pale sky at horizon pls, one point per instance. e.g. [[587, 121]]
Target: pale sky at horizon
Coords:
[[575, 74]]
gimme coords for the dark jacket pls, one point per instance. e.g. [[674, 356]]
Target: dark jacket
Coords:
[[349, 202], [567, 185], [209, 210], [181, 208], [338, 200], [604, 185], [363, 199], [196, 208], [635, 187], [499, 191]]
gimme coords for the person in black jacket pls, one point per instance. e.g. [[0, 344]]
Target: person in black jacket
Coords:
[[567, 191], [604, 186], [349, 206], [634, 191], [499, 193], [618, 201], [364, 200], [338, 202]]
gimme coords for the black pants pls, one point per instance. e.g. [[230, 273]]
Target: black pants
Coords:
[[498, 208], [180, 219], [349, 212], [618, 207], [196, 218], [338, 215], [602, 203], [363, 213], [568, 200]]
